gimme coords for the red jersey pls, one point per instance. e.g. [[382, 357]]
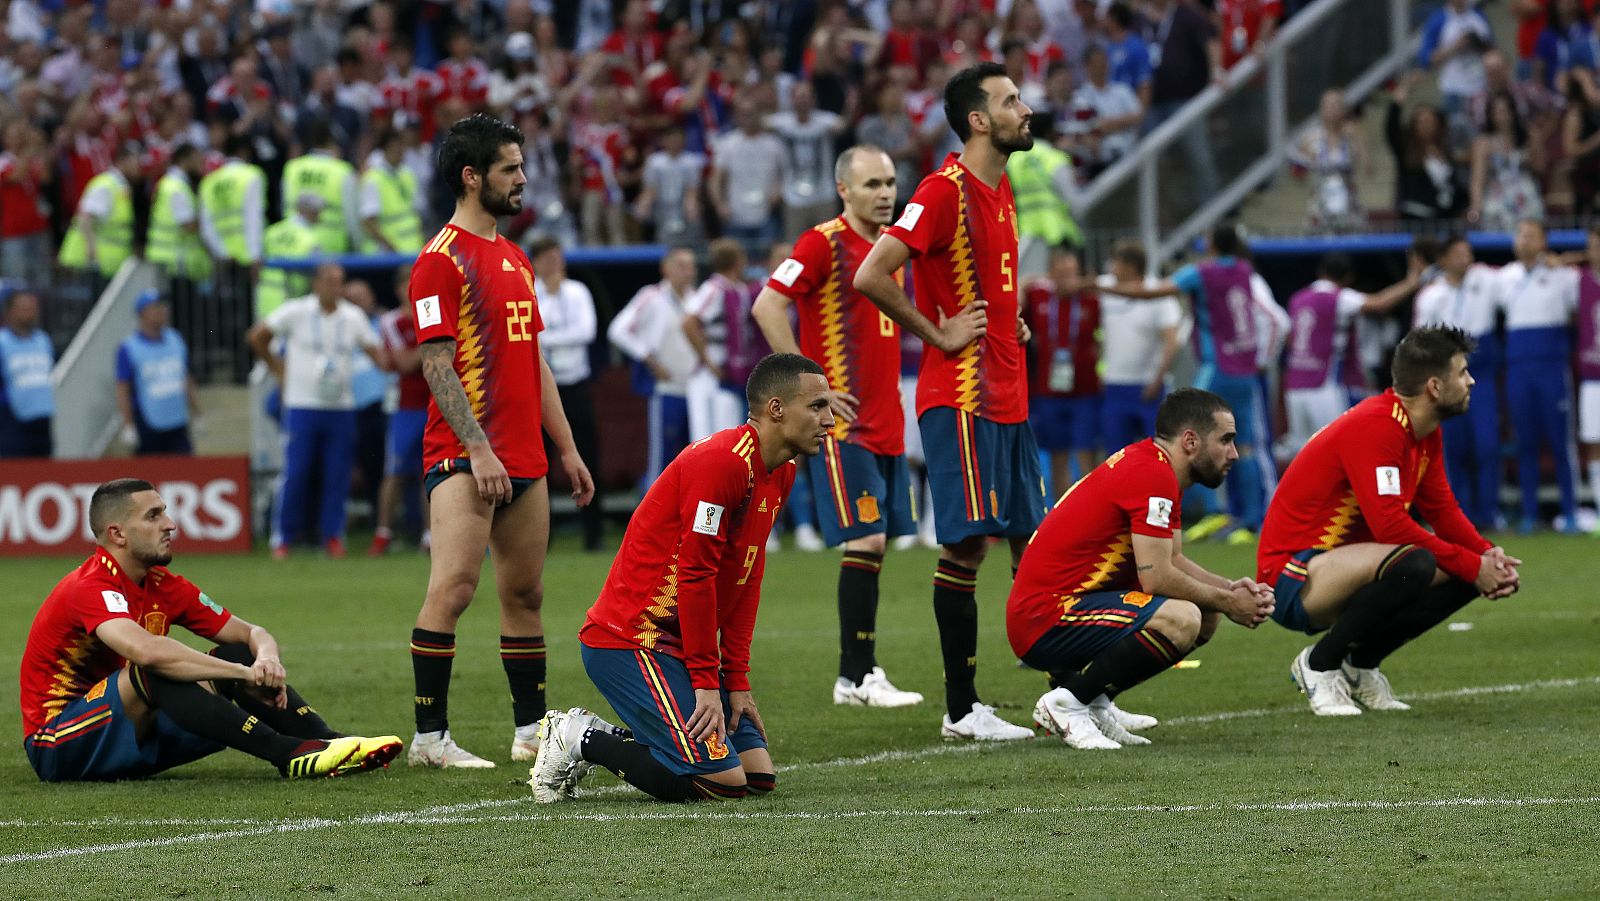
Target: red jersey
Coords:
[[692, 559], [399, 332], [857, 345], [1356, 481], [466, 80], [1066, 342], [22, 211], [1085, 544], [413, 93], [963, 240], [480, 294], [64, 658], [642, 50]]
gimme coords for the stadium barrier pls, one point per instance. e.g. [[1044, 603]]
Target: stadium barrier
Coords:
[[86, 417]]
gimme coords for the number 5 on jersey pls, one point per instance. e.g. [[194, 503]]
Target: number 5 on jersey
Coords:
[[519, 319]]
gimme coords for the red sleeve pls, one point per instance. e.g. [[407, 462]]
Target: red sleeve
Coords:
[[1439, 507], [436, 296], [196, 611], [799, 277], [929, 220], [1385, 514], [94, 602], [711, 496], [1149, 498]]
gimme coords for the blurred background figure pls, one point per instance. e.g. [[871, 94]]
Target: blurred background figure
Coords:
[[155, 392]]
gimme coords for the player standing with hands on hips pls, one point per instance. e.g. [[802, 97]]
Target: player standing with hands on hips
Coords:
[[477, 329], [960, 229]]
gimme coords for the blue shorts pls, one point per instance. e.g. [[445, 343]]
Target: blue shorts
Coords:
[[652, 694], [91, 739], [1094, 622], [170, 441], [866, 493], [1288, 611], [444, 469], [402, 447], [1125, 416], [1066, 423], [1242, 393], [984, 476]]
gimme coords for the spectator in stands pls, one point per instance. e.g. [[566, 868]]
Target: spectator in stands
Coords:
[[358, 91], [1565, 32], [1328, 155], [606, 162], [1014, 55], [891, 128], [321, 332], [649, 331], [324, 108], [808, 138], [1105, 116], [465, 77], [27, 400], [670, 199], [389, 197], [288, 80], [206, 64], [749, 170], [26, 172], [1128, 54], [1503, 189], [1453, 41], [322, 171], [1428, 185], [1246, 26], [1580, 141], [567, 309], [155, 393], [909, 41], [517, 84], [1537, 106], [633, 46], [402, 462], [1187, 58], [102, 234], [1056, 104]]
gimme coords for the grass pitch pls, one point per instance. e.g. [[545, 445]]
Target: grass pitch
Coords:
[[1487, 787]]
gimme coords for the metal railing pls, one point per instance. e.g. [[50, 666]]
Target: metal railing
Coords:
[[1353, 44]]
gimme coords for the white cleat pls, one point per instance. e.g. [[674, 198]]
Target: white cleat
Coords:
[[438, 749], [1133, 722], [1103, 712], [981, 725], [1371, 688], [1327, 692], [806, 538], [525, 742], [551, 776], [874, 691], [905, 542], [1059, 713], [773, 544]]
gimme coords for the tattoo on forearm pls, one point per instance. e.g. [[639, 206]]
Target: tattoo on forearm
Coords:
[[1147, 567], [438, 367]]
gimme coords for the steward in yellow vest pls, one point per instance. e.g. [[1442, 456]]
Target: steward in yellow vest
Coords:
[[101, 236], [294, 238], [324, 173], [389, 202], [174, 240], [233, 206]]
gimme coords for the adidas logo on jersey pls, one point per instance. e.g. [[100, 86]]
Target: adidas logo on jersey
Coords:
[[763, 507], [506, 265]]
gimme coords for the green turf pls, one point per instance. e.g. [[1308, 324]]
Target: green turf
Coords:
[[871, 803]]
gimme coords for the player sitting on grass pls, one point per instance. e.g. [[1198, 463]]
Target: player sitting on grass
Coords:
[[690, 568], [1104, 598], [107, 695], [1340, 543]]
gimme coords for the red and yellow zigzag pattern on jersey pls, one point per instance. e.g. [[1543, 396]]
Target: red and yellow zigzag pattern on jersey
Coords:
[[831, 314], [663, 604], [1339, 525], [1111, 560], [469, 340], [965, 288]]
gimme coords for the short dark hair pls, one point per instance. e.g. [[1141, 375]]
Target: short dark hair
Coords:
[[1425, 353], [1121, 14], [1335, 267], [318, 134], [474, 141], [1131, 252], [239, 147], [1429, 248], [1226, 242], [184, 151], [541, 246], [1189, 408], [963, 94], [777, 375], [723, 254], [109, 502]]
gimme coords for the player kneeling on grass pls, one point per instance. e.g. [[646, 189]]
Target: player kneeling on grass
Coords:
[[690, 567], [1340, 543], [1100, 619], [107, 695]]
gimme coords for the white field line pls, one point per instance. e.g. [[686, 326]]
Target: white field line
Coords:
[[462, 813]]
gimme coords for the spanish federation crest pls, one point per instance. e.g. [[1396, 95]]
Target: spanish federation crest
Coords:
[[867, 508]]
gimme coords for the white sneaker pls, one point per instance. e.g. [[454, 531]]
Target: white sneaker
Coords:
[[905, 542], [525, 742], [773, 544], [874, 691], [1059, 713], [981, 725], [1105, 716], [1327, 692], [440, 750], [1371, 688], [551, 776], [807, 539], [1133, 722]]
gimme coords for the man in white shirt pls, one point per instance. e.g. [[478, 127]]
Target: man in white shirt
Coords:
[[649, 330], [671, 195], [807, 134], [1464, 296], [750, 167], [321, 334], [1453, 41], [1106, 114], [567, 309], [1141, 341]]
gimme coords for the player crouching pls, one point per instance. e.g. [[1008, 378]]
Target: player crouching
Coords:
[[690, 568], [1100, 620], [1342, 548], [107, 695]]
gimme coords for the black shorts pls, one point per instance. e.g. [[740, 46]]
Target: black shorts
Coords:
[[444, 469]]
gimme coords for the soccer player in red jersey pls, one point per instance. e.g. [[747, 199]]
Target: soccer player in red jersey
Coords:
[[668, 641], [477, 327], [107, 695], [862, 464], [972, 392], [1340, 544], [1105, 598]]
